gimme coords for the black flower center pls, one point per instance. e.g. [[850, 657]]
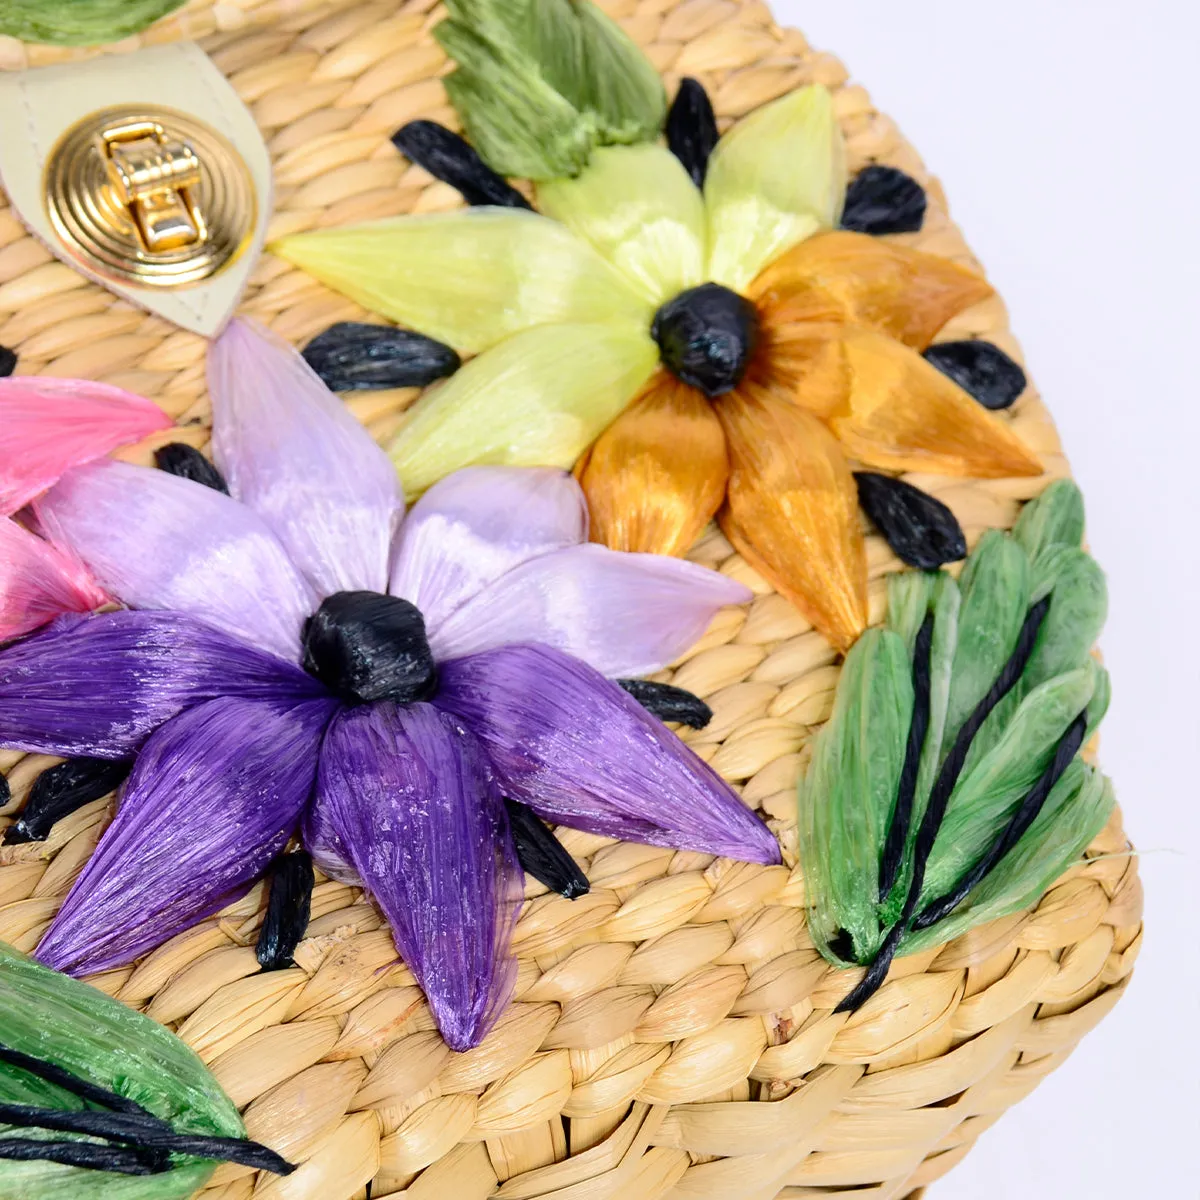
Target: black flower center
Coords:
[[707, 335], [364, 646]]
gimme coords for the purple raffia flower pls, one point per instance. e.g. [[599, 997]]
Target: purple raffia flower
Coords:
[[293, 658]]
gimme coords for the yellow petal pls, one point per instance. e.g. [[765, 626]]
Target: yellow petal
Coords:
[[657, 475], [792, 511], [640, 210], [469, 278], [537, 399], [859, 280], [904, 415], [776, 178]]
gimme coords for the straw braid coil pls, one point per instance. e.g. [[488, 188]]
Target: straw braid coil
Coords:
[[673, 1033]]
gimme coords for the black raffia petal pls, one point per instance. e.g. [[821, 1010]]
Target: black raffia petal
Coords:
[[8, 361], [692, 129], [351, 356], [669, 703], [922, 531], [288, 909], [1027, 812], [187, 462], [541, 854], [897, 835], [980, 369], [62, 790], [884, 200], [452, 159], [939, 798]]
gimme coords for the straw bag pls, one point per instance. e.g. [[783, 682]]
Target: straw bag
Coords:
[[673, 1032]]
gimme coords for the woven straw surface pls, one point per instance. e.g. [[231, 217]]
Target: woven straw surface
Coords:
[[673, 1033]]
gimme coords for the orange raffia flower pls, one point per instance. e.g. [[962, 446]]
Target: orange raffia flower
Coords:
[[694, 351], [836, 375]]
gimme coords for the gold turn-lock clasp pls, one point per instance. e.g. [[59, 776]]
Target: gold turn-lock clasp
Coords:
[[155, 177], [149, 196]]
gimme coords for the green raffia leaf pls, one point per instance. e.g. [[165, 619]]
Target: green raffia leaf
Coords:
[[976, 623], [1055, 518], [850, 791], [987, 796], [944, 600], [1078, 609], [80, 22], [541, 83], [641, 211], [98, 1039], [995, 600], [1076, 810]]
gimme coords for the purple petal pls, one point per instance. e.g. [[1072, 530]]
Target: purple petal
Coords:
[[292, 452], [214, 797], [156, 541], [477, 525], [580, 751], [101, 685], [407, 797], [624, 614]]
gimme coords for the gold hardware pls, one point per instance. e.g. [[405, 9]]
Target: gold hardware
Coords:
[[155, 178], [150, 196]]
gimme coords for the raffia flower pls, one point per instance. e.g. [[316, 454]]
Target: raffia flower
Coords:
[[762, 348], [47, 426], [449, 662]]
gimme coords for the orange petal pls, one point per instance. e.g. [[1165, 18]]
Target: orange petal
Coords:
[[855, 279], [792, 511], [657, 475], [904, 415]]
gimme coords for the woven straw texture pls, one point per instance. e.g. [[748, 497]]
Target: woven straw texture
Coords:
[[673, 1033]]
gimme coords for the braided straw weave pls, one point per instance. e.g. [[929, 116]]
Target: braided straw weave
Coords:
[[673, 1032]]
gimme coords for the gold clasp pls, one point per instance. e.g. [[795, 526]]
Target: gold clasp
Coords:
[[149, 196], [155, 178]]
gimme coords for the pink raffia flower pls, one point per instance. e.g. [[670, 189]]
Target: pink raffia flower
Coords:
[[48, 426], [449, 662]]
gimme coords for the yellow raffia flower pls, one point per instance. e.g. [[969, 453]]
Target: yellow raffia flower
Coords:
[[724, 352]]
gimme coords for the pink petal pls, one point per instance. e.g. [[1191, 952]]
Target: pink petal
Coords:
[[478, 524], [39, 582], [580, 751], [48, 426], [214, 797], [292, 451], [407, 798], [156, 541], [624, 614]]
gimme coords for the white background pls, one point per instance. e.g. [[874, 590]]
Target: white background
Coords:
[[1065, 132]]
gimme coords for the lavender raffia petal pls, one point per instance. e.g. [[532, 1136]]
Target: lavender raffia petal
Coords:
[[100, 685], [624, 614], [478, 524], [291, 451], [48, 426], [412, 801], [214, 797], [580, 751], [160, 542], [39, 581]]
